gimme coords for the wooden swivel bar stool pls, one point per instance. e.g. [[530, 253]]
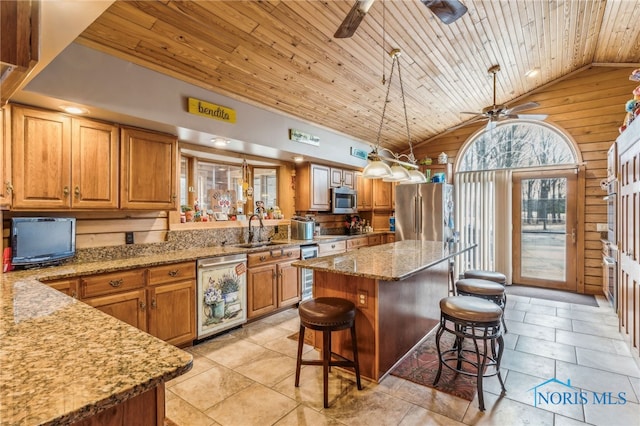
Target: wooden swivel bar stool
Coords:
[[476, 319], [328, 314]]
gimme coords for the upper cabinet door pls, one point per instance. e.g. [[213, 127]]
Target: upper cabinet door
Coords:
[[5, 158], [342, 178], [41, 159], [95, 148], [148, 170]]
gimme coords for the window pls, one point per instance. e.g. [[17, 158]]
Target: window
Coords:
[[516, 144], [265, 186]]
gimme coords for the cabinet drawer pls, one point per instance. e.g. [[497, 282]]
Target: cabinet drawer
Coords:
[[173, 272], [374, 240], [325, 249], [112, 283], [273, 255], [355, 243]]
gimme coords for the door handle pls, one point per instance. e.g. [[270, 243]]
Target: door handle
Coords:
[[573, 235]]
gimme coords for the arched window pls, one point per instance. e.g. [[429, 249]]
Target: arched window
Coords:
[[516, 144]]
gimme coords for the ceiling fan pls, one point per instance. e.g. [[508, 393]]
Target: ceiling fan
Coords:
[[495, 113], [447, 10]]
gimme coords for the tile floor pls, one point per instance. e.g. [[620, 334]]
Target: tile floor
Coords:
[[245, 377]]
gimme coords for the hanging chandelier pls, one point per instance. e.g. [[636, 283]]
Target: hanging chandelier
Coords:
[[405, 167]]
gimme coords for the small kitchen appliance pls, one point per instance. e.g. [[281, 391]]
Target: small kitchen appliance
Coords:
[[302, 228]]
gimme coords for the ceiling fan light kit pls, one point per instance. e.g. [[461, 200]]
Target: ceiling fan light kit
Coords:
[[495, 113]]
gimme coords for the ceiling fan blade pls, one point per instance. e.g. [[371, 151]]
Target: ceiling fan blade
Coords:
[[533, 116], [468, 122], [353, 19], [472, 113], [447, 10], [521, 107]]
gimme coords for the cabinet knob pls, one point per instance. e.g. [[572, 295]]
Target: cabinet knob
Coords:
[[173, 273], [143, 305], [154, 304], [116, 283], [74, 294], [263, 258], [65, 191], [76, 192], [8, 187]]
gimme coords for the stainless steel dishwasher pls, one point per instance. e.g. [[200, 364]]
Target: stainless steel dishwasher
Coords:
[[221, 294]]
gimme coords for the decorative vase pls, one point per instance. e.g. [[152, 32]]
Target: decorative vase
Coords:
[[231, 296], [217, 309]]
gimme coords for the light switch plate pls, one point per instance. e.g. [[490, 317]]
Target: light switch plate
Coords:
[[601, 227]]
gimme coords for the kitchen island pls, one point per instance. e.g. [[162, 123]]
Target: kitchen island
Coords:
[[64, 362], [396, 288]]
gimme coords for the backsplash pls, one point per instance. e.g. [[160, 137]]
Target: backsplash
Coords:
[[178, 240]]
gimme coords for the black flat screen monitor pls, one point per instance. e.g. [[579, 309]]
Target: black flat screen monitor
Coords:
[[41, 241]]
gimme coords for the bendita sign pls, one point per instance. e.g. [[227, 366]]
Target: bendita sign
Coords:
[[209, 110]]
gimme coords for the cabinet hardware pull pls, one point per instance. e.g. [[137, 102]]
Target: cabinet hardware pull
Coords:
[[333, 246], [154, 303], [263, 258], [116, 283], [76, 192], [573, 235], [74, 294], [273, 275], [9, 187], [276, 253], [289, 253], [143, 305], [173, 273], [65, 191]]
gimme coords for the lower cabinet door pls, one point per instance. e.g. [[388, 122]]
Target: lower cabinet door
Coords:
[[288, 284], [172, 312], [130, 307], [261, 290]]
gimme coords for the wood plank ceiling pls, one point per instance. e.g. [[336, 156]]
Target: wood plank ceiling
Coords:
[[282, 54]]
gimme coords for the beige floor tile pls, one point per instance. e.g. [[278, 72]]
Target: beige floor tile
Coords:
[[539, 309], [610, 415], [235, 353], [534, 365], [303, 415], [547, 321], [287, 346], [510, 340], [595, 380], [610, 362], [419, 416], [503, 411], [588, 317], [588, 341], [211, 387], [200, 364], [596, 329], [255, 405], [428, 398], [547, 349], [263, 333], [513, 315], [554, 303], [559, 420], [531, 330], [184, 414], [269, 369], [368, 407]]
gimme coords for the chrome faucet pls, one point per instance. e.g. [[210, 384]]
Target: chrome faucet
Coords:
[[259, 229]]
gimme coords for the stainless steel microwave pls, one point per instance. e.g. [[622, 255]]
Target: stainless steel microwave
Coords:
[[344, 200]]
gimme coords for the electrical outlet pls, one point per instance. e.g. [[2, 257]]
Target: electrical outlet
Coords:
[[128, 237], [601, 227], [363, 298]]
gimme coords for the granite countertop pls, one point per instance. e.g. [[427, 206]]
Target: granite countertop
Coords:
[[62, 360], [387, 262]]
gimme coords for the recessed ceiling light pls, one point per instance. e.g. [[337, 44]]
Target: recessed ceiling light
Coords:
[[298, 159], [532, 72], [74, 109], [220, 142]]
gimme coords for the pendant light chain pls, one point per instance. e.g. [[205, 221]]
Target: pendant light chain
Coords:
[[404, 105], [386, 101]]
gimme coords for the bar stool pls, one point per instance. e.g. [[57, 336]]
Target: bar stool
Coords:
[[494, 276], [484, 289], [476, 319], [328, 314]]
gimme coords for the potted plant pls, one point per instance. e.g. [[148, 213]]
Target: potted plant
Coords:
[[188, 212]]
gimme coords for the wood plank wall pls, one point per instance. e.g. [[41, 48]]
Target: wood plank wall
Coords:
[[589, 107]]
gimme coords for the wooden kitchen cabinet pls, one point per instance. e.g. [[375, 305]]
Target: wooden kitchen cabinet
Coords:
[[68, 286], [374, 240], [272, 282], [356, 243], [5, 158], [60, 162], [342, 178], [128, 306], [313, 188], [365, 192], [382, 195], [172, 304], [148, 168], [333, 247]]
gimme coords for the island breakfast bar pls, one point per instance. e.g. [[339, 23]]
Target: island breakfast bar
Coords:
[[396, 288]]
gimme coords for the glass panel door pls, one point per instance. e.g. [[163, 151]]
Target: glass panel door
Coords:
[[544, 237]]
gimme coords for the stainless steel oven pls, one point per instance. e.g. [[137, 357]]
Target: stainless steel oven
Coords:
[[306, 275]]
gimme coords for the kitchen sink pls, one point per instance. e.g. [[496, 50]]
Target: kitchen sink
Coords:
[[259, 244]]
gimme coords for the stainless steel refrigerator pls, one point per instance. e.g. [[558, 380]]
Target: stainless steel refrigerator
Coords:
[[424, 211]]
